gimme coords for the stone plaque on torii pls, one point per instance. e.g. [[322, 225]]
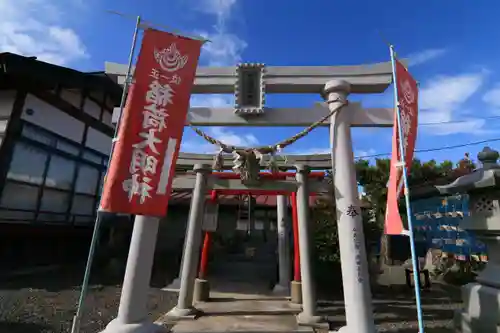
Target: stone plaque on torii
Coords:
[[250, 83]]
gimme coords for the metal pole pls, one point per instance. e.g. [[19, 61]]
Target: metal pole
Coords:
[[414, 258], [75, 328]]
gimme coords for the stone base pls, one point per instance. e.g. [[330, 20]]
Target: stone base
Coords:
[[180, 314], [304, 319], [201, 290], [296, 292], [115, 326], [464, 324], [174, 286], [280, 290], [481, 309]]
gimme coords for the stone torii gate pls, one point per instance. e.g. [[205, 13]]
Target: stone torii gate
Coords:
[[250, 83]]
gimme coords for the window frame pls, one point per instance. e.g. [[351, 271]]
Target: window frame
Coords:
[[51, 150]]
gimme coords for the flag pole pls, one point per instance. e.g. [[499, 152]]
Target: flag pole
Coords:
[[414, 259], [75, 328]]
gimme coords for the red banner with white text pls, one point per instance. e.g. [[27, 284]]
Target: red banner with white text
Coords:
[[142, 167], [408, 108]]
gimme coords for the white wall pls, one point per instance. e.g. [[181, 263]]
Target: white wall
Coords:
[[54, 120], [98, 141]]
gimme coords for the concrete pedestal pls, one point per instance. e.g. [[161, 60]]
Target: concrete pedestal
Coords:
[[481, 311], [133, 313], [174, 286], [115, 326], [481, 299], [178, 313], [201, 290], [280, 290], [304, 319], [296, 292]]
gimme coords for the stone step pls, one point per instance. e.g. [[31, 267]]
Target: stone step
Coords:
[[240, 316]]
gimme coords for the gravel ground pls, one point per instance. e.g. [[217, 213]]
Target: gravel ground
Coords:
[[47, 302], [395, 309]]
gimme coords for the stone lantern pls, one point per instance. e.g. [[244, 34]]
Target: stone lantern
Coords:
[[481, 299]]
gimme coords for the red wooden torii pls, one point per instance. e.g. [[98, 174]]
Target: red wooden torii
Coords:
[[202, 274]]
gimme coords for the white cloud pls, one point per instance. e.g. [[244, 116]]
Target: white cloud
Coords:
[[213, 101], [224, 49], [364, 153], [469, 126], [231, 138], [419, 58], [492, 97], [35, 28], [325, 151], [220, 8], [197, 146], [222, 134], [310, 151], [443, 98]]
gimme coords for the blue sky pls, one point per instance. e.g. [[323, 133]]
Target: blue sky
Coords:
[[451, 46]]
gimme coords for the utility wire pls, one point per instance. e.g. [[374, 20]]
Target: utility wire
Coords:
[[474, 143], [460, 121]]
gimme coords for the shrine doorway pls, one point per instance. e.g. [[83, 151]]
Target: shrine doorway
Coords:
[[244, 247]]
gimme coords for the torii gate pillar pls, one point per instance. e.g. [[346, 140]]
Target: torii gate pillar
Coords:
[[357, 294]]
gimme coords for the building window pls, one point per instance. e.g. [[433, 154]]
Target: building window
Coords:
[[55, 201], [17, 215], [51, 218], [19, 196], [67, 147], [28, 164], [92, 157], [101, 182], [61, 173], [44, 163], [83, 205], [33, 133], [87, 181]]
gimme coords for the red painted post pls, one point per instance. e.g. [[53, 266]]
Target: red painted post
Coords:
[[202, 274], [204, 256], [295, 226]]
